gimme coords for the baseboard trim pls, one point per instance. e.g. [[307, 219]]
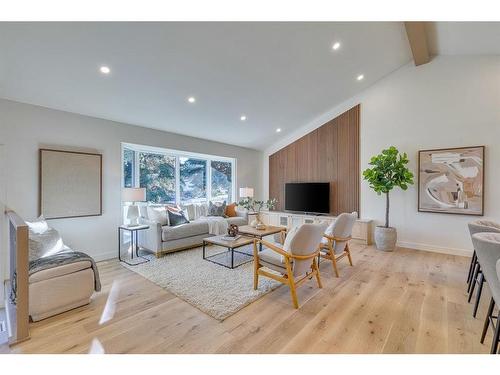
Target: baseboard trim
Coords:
[[105, 256], [435, 249]]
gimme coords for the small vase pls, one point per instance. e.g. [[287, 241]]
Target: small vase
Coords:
[[255, 221]]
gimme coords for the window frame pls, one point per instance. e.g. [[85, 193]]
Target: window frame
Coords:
[[177, 154]]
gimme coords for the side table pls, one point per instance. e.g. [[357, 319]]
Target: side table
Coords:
[[133, 243]]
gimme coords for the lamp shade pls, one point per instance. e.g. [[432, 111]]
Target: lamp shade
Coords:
[[133, 195], [246, 192]]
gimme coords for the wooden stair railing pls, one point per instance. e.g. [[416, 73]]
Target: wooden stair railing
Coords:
[[17, 287]]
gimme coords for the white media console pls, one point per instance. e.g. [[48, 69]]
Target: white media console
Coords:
[[362, 228]]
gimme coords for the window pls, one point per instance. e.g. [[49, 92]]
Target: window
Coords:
[[193, 179], [221, 180], [128, 165], [178, 177], [157, 175]]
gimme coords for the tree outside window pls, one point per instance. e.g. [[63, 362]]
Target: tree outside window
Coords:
[[157, 175], [221, 180]]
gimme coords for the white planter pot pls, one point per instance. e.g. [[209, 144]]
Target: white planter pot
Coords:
[[385, 238]]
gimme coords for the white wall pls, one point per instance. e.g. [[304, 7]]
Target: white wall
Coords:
[[25, 128], [450, 102], [3, 226]]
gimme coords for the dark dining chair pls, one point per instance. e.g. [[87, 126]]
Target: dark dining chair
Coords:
[[475, 276], [487, 247]]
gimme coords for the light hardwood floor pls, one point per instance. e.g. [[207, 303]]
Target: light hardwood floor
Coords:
[[403, 302]]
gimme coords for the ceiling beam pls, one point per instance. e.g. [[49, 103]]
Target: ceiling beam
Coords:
[[418, 42]]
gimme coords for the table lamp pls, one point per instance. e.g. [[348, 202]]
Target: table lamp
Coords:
[[246, 192], [133, 195]]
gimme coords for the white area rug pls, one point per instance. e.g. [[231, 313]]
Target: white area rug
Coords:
[[216, 290]]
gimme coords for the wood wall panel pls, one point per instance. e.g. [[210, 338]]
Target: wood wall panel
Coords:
[[327, 154]]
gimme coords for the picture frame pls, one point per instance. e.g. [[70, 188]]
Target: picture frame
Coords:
[[70, 184], [451, 180]]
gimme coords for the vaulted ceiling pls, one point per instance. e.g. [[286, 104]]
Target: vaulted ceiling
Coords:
[[277, 74]]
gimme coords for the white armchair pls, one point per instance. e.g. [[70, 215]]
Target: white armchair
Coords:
[[335, 243], [295, 260]]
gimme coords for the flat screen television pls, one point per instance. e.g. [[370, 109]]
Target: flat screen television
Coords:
[[310, 197]]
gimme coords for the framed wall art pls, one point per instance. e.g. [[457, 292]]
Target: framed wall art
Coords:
[[451, 180], [70, 184]]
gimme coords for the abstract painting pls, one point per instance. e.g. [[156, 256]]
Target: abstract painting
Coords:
[[451, 181]]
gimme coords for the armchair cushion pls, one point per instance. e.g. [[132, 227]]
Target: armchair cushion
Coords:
[[273, 260], [61, 270]]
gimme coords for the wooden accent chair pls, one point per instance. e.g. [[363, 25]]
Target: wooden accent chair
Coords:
[[335, 243], [295, 260]]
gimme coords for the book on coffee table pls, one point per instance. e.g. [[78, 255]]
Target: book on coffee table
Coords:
[[229, 238]]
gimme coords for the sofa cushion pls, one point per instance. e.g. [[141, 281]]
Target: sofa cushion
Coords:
[[193, 228], [236, 220], [189, 211], [62, 270], [231, 210], [158, 214], [216, 209], [176, 218]]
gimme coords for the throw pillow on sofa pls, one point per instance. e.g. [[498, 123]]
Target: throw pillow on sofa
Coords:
[[176, 217], [158, 214], [216, 210], [231, 210]]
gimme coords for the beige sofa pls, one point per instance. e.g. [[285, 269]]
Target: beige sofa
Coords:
[[59, 289], [162, 239]]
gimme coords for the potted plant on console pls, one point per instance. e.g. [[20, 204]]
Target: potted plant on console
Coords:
[[388, 171], [255, 206]]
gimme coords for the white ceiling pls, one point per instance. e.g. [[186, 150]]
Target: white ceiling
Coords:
[[463, 38], [280, 75], [277, 74]]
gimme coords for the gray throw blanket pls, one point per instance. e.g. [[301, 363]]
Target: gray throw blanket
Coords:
[[64, 257]]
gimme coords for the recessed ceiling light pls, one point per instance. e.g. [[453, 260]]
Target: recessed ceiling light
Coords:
[[278, 130], [360, 77], [191, 99], [105, 69], [243, 118], [336, 45]]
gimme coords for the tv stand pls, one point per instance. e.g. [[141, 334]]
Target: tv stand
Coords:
[[361, 231]]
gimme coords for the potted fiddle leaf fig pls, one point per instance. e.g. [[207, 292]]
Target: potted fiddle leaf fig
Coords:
[[388, 170]]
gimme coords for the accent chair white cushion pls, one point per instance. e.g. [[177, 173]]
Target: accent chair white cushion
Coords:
[[341, 227]]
